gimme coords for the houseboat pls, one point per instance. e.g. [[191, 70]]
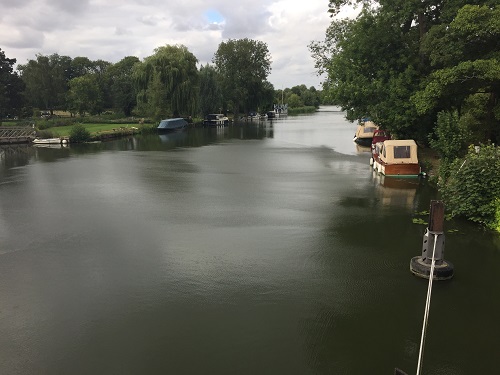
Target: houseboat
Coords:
[[396, 158], [364, 133]]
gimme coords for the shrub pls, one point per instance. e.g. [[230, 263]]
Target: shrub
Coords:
[[450, 136], [79, 134], [472, 187]]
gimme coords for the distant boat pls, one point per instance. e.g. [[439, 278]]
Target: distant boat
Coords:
[[216, 119], [364, 133], [281, 109], [271, 115], [172, 124]]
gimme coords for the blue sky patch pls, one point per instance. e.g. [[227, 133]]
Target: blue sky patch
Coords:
[[213, 16]]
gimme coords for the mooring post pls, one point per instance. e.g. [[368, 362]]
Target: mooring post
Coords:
[[433, 242]]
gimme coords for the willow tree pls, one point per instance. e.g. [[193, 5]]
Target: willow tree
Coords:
[[211, 98], [167, 83]]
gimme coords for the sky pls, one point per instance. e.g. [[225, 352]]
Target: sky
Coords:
[[113, 29]]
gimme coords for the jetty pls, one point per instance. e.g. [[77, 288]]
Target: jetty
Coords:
[[17, 134]]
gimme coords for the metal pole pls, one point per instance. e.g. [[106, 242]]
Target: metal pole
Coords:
[[427, 307]]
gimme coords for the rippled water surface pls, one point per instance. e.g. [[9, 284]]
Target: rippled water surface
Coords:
[[255, 249]]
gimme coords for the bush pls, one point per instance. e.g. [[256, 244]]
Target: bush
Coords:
[[472, 187], [79, 134], [450, 136]]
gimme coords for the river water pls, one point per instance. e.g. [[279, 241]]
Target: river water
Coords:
[[251, 249]]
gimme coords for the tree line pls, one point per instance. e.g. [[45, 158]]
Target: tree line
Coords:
[[168, 83], [427, 70]]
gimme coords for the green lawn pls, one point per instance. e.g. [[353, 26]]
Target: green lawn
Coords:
[[64, 131]]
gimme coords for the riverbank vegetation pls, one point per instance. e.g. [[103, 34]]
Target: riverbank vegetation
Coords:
[[168, 83], [428, 71]]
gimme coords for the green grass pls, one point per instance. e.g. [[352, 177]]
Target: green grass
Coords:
[[64, 131]]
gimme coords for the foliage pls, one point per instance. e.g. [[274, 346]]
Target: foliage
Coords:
[[10, 88], [402, 63], [46, 80], [450, 137], [122, 90], [167, 82], [85, 95], [465, 56], [303, 96], [373, 70], [79, 134], [473, 186], [244, 65], [211, 98]]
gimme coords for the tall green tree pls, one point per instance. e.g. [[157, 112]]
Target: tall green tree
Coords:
[[167, 82], [85, 95], [46, 81], [11, 87], [377, 62], [244, 65], [211, 98], [465, 56], [122, 89]]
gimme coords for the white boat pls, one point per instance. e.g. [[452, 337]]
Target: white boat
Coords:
[[50, 141], [216, 119]]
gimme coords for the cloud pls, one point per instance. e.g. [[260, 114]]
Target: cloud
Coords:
[[113, 29]]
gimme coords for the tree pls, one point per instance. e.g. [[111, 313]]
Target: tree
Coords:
[[85, 94], [373, 68], [167, 82], [46, 81], [472, 189], [467, 74], [211, 98], [11, 87], [122, 84], [244, 65]]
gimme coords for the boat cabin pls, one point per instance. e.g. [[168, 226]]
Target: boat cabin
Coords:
[[364, 133], [216, 119], [380, 135], [397, 158]]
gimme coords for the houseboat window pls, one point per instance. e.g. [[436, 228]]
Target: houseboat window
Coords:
[[401, 152], [368, 130]]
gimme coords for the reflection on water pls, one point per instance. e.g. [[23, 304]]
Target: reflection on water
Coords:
[[396, 192], [256, 248]]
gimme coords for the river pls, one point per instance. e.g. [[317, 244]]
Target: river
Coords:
[[251, 249]]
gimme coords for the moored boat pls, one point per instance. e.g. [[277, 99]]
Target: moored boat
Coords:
[[172, 124], [50, 141], [216, 119], [396, 158], [364, 133], [379, 136]]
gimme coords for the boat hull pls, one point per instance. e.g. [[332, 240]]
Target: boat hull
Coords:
[[399, 170], [173, 124], [363, 141]]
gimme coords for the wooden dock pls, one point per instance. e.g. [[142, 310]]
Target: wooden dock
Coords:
[[15, 134]]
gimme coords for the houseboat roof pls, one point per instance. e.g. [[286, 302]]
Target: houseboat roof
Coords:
[[399, 151], [366, 129]]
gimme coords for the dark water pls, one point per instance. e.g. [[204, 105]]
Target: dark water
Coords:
[[245, 250]]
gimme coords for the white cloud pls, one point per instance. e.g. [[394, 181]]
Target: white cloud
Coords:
[[113, 29]]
